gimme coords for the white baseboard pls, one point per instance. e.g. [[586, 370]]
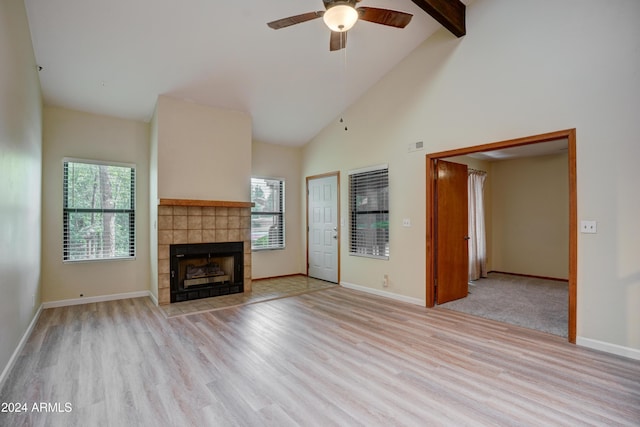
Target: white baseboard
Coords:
[[101, 298], [391, 295], [616, 349], [153, 298], [18, 350]]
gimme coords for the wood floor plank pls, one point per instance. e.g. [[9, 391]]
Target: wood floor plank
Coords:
[[335, 357]]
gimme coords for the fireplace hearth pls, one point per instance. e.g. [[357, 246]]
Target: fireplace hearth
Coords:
[[204, 270]]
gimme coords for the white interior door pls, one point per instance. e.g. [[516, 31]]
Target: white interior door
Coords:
[[323, 232]]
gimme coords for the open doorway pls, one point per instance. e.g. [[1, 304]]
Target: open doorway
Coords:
[[530, 143]]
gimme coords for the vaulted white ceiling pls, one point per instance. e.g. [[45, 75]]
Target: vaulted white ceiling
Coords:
[[115, 57]]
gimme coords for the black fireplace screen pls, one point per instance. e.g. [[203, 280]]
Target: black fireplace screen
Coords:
[[204, 270]]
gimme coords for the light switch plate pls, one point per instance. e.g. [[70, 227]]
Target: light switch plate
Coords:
[[590, 227]]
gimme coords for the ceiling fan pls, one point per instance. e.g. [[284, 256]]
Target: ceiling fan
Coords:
[[341, 15]]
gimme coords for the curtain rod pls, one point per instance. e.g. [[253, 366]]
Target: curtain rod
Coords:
[[476, 170]]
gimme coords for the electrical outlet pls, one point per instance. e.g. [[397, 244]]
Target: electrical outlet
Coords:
[[385, 281], [406, 222], [590, 227]]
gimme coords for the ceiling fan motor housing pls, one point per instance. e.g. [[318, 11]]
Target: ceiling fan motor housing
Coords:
[[330, 3]]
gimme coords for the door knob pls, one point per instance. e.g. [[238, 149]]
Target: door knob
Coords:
[[467, 237]]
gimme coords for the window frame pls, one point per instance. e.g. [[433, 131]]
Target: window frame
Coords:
[[355, 243], [279, 214], [66, 210]]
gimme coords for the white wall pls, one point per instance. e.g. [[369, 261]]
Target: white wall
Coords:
[[278, 161], [20, 186], [531, 216], [68, 133], [204, 153], [524, 68], [153, 205], [370, 142]]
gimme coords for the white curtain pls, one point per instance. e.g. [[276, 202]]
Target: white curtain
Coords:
[[477, 235]]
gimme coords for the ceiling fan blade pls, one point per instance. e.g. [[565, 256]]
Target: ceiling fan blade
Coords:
[[292, 20], [392, 18], [338, 40]]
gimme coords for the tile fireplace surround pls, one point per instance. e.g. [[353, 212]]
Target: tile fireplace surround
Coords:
[[200, 221]]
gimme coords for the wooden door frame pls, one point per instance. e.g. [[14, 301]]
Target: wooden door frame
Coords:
[[324, 175], [570, 135]]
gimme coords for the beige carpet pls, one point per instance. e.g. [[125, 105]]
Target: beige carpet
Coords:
[[262, 290], [524, 301]]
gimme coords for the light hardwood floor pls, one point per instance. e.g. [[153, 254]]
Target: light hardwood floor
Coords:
[[331, 357]]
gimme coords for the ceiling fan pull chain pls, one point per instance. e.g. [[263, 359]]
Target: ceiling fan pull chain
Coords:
[[344, 80]]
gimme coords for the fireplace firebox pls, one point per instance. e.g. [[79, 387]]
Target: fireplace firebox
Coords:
[[203, 270]]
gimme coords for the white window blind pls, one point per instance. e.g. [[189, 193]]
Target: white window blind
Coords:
[[369, 212], [98, 210], [267, 214]]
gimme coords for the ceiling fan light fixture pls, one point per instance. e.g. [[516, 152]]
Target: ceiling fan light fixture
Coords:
[[340, 18]]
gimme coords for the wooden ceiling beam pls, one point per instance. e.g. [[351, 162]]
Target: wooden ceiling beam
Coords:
[[449, 13]]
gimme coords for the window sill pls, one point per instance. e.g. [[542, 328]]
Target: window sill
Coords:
[[382, 257], [83, 261]]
